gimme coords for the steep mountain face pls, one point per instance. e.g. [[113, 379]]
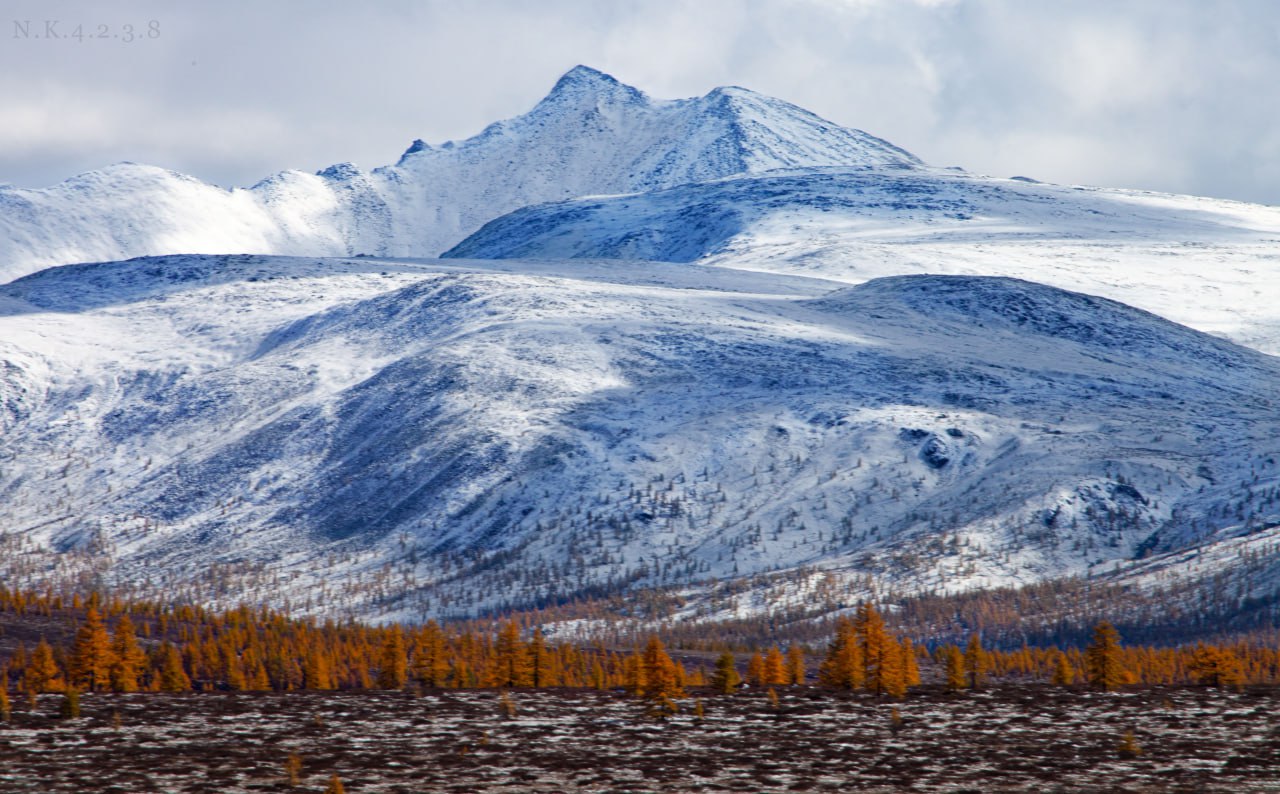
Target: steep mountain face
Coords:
[[403, 438], [1211, 264], [590, 135]]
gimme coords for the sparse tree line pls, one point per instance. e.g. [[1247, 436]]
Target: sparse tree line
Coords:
[[129, 647]]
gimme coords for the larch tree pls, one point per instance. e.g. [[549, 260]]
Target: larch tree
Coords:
[[258, 680], [893, 673], [1063, 673], [1103, 661], [660, 677], [633, 673], [881, 655], [953, 668], [910, 666], [42, 673], [127, 659], [725, 678], [1215, 666], [775, 667], [795, 665], [842, 668], [91, 657], [976, 662], [430, 656], [317, 668], [234, 676], [755, 669], [173, 677], [539, 660], [511, 663], [393, 662]]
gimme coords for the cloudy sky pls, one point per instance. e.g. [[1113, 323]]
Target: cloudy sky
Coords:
[[1177, 95]]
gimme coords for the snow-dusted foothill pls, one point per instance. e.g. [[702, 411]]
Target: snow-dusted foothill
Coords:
[[1208, 263], [435, 437]]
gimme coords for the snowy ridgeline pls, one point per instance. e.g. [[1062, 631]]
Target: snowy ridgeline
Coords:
[[1211, 264], [590, 135], [402, 437]]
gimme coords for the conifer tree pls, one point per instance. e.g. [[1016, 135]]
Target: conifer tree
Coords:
[[976, 662], [335, 786], [775, 667], [6, 708], [795, 665], [1063, 673], [317, 671], [258, 679], [842, 668], [755, 669], [660, 678], [1104, 664], [18, 661], [953, 668], [633, 672], [127, 659], [430, 657], [233, 674], [893, 674], [1215, 666], [511, 665], [392, 661], [910, 667], [91, 657], [539, 660], [42, 673], [173, 677], [725, 679], [881, 655]]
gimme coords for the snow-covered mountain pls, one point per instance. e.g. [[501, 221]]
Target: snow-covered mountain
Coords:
[[1208, 263], [434, 437], [673, 343], [590, 135]]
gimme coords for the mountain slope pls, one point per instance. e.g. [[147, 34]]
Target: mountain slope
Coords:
[[590, 135], [410, 438], [853, 224]]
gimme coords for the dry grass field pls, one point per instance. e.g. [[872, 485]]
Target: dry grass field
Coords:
[[1008, 738]]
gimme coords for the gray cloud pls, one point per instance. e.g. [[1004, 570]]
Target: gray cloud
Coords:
[[1176, 95]]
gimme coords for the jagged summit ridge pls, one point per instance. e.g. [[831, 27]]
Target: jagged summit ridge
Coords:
[[584, 82], [590, 135]]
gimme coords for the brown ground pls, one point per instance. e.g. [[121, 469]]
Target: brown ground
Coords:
[[1012, 738]]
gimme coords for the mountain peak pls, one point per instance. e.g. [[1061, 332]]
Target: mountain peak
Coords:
[[585, 75], [583, 81]]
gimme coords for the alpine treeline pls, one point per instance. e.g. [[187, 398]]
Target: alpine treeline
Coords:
[[103, 644]]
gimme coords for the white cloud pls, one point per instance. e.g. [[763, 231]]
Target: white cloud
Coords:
[[1174, 95]]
